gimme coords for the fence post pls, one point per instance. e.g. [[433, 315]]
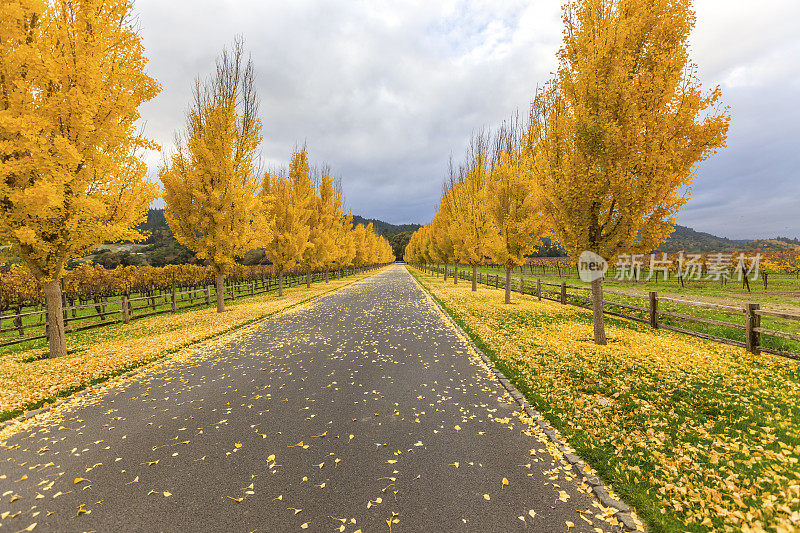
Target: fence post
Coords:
[[208, 294], [172, 298], [252, 288], [18, 321], [563, 293], [539, 288], [753, 321], [497, 281], [521, 285], [126, 311], [653, 309]]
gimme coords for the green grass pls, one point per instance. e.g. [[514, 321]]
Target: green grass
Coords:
[[776, 297], [782, 289]]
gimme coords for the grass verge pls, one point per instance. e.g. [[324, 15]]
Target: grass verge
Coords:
[[29, 381], [697, 436]]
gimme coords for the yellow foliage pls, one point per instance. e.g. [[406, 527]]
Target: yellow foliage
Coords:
[[617, 134], [514, 203], [210, 183], [702, 431], [285, 209], [72, 77]]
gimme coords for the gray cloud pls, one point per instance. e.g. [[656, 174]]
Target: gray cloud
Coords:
[[384, 92]]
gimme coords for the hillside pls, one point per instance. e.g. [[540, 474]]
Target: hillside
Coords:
[[384, 228], [778, 243], [156, 225], [689, 240], [164, 249]]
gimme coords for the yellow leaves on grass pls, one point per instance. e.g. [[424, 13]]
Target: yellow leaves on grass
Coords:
[[703, 426], [143, 340]]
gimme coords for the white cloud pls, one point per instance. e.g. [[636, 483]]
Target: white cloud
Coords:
[[386, 91]]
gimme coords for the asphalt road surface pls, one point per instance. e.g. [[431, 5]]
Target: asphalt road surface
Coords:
[[362, 410]]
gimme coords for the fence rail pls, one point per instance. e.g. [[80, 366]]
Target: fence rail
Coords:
[[653, 313], [123, 310]]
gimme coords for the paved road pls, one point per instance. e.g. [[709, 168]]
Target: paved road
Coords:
[[361, 410]]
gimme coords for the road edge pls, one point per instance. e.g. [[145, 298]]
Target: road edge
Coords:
[[112, 380], [599, 489]]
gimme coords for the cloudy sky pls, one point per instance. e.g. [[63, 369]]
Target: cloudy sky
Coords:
[[384, 92]]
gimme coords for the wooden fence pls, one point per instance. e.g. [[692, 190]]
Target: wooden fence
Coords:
[[126, 308], [650, 312]]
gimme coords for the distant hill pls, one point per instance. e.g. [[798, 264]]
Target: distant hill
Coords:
[[384, 228], [156, 225], [689, 240], [778, 243], [682, 239]]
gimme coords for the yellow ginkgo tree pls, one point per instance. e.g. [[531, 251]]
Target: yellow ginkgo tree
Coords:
[[71, 81], [440, 234], [326, 231], [361, 258], [211, 181], [473, 231], [619, 131], [514, 203], [344, 251], [285, 212], [323, 212]]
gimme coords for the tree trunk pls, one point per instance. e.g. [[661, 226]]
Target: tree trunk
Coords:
[[56, 335], [597, 310], [508, 285], [308, 278], [455, 275], [474, 278], [220, 292], [280, 283], [445, 272], [326, 275]]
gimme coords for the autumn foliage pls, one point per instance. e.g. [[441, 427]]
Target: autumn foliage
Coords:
[[611, 148], [211, 181], [71, 78], [71, 81]]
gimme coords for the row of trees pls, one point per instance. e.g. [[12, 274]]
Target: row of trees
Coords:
[[220, 204], [606, 158], [72, 78]]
